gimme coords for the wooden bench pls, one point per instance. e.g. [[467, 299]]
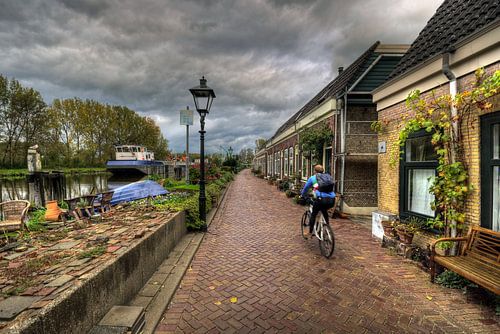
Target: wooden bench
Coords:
[[477, 259], [13, 215]]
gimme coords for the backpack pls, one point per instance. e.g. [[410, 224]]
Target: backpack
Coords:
[[325, 183]]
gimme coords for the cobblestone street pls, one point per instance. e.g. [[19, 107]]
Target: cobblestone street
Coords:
[[254, 273]]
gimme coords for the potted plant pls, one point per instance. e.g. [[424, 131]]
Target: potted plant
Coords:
[[407, 229]]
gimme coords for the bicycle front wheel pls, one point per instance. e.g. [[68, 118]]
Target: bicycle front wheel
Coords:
[[327, 241], [304, 222]]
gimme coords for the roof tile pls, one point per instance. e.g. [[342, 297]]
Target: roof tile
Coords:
[[453, 21]]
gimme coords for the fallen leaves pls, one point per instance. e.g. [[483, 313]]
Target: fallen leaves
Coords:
[[232, 300]]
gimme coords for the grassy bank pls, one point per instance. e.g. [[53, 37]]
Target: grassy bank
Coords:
[[22, 172]]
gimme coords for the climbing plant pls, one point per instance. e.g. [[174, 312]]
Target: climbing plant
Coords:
[[444, 117], [313, 140]]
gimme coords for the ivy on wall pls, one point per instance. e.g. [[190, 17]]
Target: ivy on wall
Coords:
[[313, 139], [451, 185]]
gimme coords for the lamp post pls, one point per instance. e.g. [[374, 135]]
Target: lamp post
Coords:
[[203, 97]]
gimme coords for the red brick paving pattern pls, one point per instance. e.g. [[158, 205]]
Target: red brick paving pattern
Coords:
[[254, 252]]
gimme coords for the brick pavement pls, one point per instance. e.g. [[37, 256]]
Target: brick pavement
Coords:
[[254, 273]]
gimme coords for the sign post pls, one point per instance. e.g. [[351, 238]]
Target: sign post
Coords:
[[187, 120]]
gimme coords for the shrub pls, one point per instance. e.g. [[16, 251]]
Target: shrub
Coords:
[[453, 280], [154, 177], [36, 220], [194, 174], [189, 200]]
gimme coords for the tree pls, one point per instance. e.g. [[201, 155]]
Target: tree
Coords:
[[23, 120], [246, 156], [260, 144], [71, 132]]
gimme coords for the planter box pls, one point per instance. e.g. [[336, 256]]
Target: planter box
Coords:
[[83, 305]]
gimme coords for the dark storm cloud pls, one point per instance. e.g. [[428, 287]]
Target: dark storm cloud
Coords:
[[264, 59]]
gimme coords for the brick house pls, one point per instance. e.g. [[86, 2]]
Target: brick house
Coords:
[[346, 106], [461, 37]]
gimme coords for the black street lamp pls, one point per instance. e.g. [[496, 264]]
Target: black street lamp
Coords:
[[203, 97]]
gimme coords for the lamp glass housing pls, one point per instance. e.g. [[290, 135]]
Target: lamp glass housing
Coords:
[[203, 97]]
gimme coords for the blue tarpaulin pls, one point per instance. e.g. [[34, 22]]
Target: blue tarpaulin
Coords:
[[137, 190]]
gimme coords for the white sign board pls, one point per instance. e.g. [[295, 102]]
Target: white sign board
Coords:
[[377, 217], [186, 117]]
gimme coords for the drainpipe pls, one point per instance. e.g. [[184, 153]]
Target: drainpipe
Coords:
[[453, 92], [343, 152], [335, 134], [297, 163], [336, 130]]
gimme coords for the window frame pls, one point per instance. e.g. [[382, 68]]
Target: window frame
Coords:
[[327, 157], [486, 163], [404, 169], [303, 169], [285, 162]]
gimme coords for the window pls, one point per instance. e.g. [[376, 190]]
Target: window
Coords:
[[327, 162], [277, 165], [490, 171], [297, 159], [290, 161], [285, 164], [268, 165], [417, 170], [304, 167]]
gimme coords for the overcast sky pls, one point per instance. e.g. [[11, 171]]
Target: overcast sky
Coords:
[[264, 58]]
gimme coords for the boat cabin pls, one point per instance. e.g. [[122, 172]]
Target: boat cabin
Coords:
[[133, 152]]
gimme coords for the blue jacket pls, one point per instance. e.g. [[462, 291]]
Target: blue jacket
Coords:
[[312, 181]]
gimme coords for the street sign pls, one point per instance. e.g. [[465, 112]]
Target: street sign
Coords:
[[186, 117]]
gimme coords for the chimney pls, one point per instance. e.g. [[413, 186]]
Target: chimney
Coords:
[[341, 68]]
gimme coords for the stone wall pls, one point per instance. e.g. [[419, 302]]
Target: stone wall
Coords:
[[80, 308]]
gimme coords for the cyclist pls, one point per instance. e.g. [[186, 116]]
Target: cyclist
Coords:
[[324, 196]]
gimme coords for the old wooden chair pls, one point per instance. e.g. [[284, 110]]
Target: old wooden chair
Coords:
[[103, 202], [13, 215]]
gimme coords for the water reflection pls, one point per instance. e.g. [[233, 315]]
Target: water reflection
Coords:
[[76, 185]]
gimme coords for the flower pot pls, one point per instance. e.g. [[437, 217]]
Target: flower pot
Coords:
[[53, 211], [388, 228], [405, 237]]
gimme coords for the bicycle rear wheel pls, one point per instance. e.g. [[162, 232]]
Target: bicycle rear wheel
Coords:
[[304, 222], [327, 242]]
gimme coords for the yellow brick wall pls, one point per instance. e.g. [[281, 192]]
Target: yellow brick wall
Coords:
[[392, 122], [472, 147]]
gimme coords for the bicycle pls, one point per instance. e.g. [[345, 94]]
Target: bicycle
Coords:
[[321, 230]]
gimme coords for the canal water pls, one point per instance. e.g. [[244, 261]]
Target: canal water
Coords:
[[75, 185]]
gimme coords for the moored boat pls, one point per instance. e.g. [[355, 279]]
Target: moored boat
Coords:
[[135, 159]]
